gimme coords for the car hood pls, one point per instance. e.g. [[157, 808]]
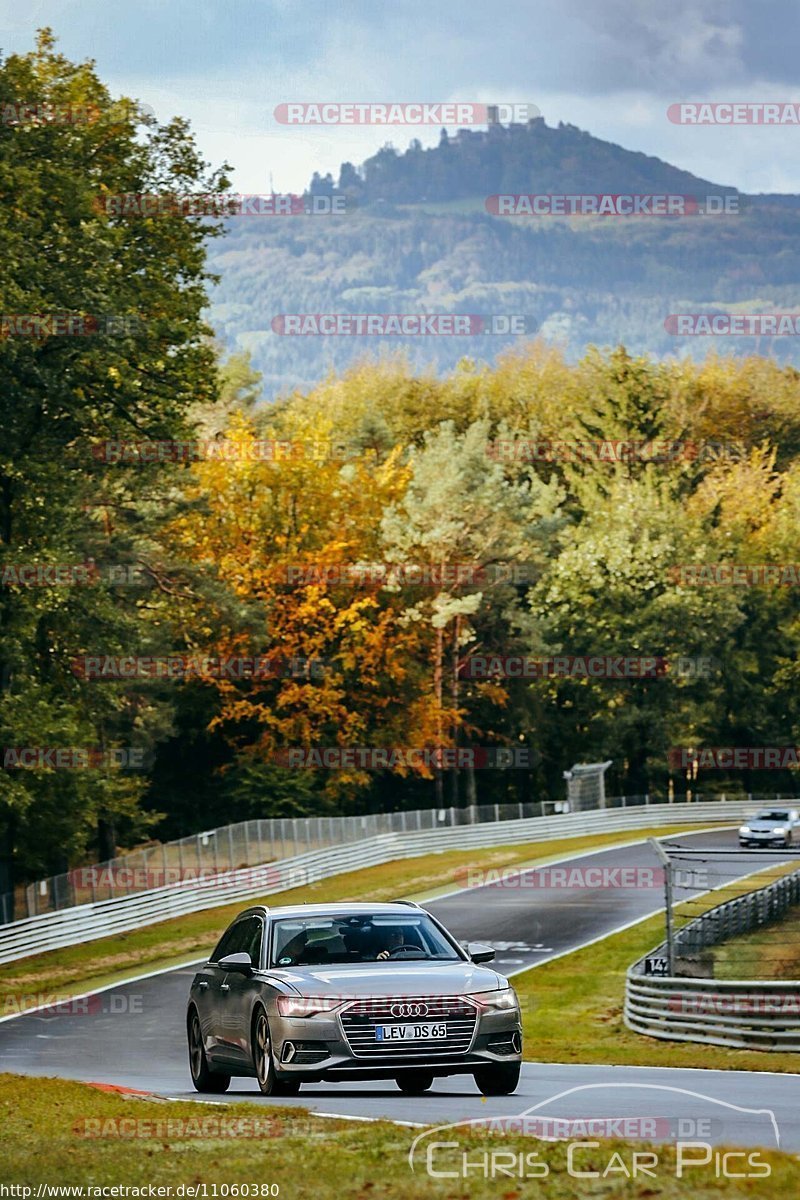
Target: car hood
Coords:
[[384, 979], [764, 826]]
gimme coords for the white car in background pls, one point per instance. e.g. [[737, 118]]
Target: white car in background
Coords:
[[776, 826]]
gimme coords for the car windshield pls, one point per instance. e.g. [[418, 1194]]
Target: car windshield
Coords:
[[303, 941], [772, 814]]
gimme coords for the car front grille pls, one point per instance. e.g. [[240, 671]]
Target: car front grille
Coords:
[[360, 1018]]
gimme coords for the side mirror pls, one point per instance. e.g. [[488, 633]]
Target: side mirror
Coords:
[[479, 953], [240, 963]]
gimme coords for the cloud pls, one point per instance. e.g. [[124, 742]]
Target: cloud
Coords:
[[611, 68]]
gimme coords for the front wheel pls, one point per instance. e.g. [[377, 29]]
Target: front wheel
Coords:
[[203, 1078], [414, 1083], [269, 1081], [498, 1079]]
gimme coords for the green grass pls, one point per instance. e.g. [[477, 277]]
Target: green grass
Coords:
[[769, 953], [109, 960], [572, 1007], [43, 1142]]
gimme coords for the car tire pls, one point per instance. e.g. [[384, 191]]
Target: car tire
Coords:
[[499, 1079], [203, 1078], [269, 1081], [414, 1083]]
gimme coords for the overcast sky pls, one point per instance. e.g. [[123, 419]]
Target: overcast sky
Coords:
[[611, 67]]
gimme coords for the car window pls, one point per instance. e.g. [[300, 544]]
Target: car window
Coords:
[[772, 814], [304, 941], [256, 937], [238, 938]]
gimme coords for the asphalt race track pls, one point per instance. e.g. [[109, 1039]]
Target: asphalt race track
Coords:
[[133, 1035]]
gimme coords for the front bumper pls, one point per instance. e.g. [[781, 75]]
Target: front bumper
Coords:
[[342, 1045]]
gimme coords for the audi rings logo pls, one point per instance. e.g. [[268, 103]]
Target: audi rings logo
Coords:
[[409, 1010]]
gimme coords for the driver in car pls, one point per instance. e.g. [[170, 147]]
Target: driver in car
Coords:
[[393, 939]]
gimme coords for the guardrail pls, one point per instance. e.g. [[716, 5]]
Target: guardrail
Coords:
[[743, 1014], [249, 843], [87, 922]]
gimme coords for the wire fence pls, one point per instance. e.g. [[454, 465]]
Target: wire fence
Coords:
[[752, 932], [268, 839], [245, 844]]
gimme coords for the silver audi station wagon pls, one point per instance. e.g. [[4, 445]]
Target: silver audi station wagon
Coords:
[[321, 992]]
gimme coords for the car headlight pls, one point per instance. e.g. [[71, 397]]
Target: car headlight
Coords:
[[744, 829], [504, 998], [307, 1006], [781, 829]]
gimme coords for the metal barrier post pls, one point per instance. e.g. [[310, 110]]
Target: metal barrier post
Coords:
[[667, 865]]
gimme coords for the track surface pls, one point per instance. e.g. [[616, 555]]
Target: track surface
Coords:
[[133, 1035]]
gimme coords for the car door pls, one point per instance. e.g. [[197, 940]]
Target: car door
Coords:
[[237, 1001], [235, 995], [217, 989]]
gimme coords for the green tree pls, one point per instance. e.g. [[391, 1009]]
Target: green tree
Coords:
[[461, 510], [139, 283]]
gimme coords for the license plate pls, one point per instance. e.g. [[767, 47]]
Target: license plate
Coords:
[[408, 1033]]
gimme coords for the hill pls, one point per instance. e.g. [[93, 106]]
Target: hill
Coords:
[[417, 237]]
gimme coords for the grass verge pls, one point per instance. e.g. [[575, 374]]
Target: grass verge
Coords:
[[109, 960], [572, 1007], [769, 953], [45, 1122]]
